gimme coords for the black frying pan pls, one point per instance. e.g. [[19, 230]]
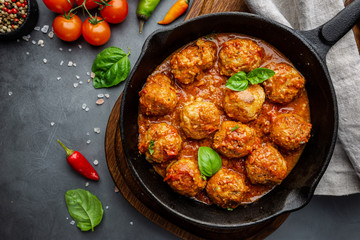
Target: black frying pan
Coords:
[[307, 51]]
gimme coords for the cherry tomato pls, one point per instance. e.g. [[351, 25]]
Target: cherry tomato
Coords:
[[67, 29], [59, 5], [90, 4], [116, 13], [96, 34]]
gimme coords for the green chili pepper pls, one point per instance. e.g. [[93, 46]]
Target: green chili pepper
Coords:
[[144, 10]]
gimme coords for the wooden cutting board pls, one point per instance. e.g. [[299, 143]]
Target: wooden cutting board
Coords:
[[120, 171]]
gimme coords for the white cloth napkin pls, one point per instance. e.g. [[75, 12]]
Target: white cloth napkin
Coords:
[[343, 174]]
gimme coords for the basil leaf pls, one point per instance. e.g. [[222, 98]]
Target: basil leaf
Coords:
[[111, 67], [85, 208], [259, 75], [237, 82], [209, 161], [151, 147], [234, 128]]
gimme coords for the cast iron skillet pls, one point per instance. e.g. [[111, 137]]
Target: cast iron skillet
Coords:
[[307, 51]]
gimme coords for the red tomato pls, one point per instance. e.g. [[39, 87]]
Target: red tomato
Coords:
[[67, 29], [90, 4], [116, 13], [96, 34], [59, 5]]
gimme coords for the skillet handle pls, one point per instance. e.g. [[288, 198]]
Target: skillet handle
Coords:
[[328, 34]]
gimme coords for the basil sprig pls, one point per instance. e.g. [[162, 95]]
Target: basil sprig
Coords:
[[240, 81], [85, 208], [151, 146], [209, 161], [111, 67]]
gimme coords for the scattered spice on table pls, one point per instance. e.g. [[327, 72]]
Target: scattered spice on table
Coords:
[[12, 14]]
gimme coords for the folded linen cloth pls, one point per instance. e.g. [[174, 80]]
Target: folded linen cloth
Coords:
[[343, 174]]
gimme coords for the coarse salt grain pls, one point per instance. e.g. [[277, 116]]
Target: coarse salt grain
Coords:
[[80, 46], [76, 85], [17, 40], [10, 93], [74, 64], [87, 184], [60, 49], [27, 53], [107, 95], [88, 141], [45, 60], [52, 124], [100, 101], [51, 34], [97, 130], [131, 223], [58, 78], [77, 77], [88, 73], [37, 28], [72, 222], [96, 162], [87, 109], [69, 49], [61, 63], [81, 82], [26, 38], [70, 63], [45, 28], [83, 106], [33, 42], [107, 207], [40, 42], [87, 134], [100, 95]]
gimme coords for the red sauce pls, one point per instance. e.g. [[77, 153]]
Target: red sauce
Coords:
[[211, 87]]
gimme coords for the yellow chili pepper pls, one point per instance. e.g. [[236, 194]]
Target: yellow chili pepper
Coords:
[[175, 11]]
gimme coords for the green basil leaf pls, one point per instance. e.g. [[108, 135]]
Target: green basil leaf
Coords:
[[111, 67], [209, 161], [151, 147], [237, 82], [234, 128], [85, 208], [259, 75]]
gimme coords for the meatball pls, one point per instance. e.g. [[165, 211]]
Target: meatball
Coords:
[[227, 188], [284, 86], [239, 55], [158, 97], [234, 140], [244, 105], [199, 119], [188, 63], [266, 166], [184, 177], [160, 143], [290, 131]]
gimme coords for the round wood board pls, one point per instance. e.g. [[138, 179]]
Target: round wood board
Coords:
[[119, 170]]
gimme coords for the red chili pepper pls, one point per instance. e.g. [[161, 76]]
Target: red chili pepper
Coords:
[[79, 163]]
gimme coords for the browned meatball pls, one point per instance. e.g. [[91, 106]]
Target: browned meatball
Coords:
[[188, 63], [290, 131], [160, 143], [199, 119], [266, 166], [284, 86], [234, 140], [184, 177], [245, 105], [227, 188], [239, 55], [158, 97]]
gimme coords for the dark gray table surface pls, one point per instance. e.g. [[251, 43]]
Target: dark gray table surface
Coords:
[[34, 174]]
